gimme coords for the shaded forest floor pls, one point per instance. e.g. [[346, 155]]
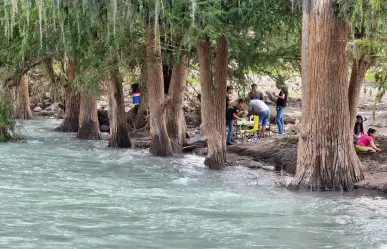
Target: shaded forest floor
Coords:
[[281, 152]]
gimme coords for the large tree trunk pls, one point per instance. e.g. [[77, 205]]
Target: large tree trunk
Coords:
[[213, 100], [88, 117], [119, 130], [22, 109], [326, 155], [176, 124], [160, 142], [70, 121], [359, 69], [141, 117]]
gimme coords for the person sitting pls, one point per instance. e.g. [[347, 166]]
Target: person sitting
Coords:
[[358, 130], [366, 142], [258, 107], [231, 114], [254, 93]]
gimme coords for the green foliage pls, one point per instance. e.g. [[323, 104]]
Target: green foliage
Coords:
[[381, 81], [367, 19], [8, 127], [369, 77], [369, 32], [263, 35]]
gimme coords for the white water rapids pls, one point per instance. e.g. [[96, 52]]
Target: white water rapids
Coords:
[[59, 192]]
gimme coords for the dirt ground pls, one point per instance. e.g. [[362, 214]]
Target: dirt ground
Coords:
[[281, 151]]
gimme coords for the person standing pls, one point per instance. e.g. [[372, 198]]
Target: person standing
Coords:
[[231, 114], [258, 107], [281, 104], [254, 93], [230, 98]]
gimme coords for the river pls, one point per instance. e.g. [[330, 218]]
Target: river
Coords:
[[59, 192]]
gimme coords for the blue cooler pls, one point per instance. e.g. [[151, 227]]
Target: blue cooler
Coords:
[[136, 98]]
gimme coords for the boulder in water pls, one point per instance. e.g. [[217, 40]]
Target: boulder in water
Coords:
[[268, 168], [43, 113], [254, 165], [37, 109], [53, 107], [200, 151], [47, 102], [197, 140]]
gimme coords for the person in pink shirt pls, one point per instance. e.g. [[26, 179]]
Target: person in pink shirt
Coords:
[[366, 142]]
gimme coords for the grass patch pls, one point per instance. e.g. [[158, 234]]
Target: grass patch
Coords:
[[369, 77]]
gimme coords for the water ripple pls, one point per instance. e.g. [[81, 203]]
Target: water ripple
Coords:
[[59, 192]]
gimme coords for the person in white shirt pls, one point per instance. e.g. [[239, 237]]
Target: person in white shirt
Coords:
[[258, 107]]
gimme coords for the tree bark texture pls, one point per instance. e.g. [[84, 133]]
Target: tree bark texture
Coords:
[[326, 155], [119, 130], [22, 109], [176, 125], [359, 69], [160, 142], [141, 118], [213, 100], [88, 117], [70, 121], [54, 79]]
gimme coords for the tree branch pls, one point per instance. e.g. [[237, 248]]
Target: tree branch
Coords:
[[28, 66]]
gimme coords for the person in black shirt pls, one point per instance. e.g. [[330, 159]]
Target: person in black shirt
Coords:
[[231, 114], [281, 104]]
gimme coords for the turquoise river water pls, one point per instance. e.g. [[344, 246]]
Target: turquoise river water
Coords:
[[59, 192]]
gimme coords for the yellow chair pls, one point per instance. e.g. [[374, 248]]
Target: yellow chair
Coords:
[[253, 131]]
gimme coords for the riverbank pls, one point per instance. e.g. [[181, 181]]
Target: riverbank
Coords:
[[281, 152]]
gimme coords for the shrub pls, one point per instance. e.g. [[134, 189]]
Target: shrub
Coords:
[[8, 127]]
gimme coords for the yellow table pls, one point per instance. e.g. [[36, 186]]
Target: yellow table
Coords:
[[241, 123], [244, 123]]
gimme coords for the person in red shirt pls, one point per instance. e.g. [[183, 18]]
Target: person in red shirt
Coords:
[[366, 142]]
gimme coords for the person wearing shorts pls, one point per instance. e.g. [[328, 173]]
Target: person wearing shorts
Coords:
[[258, 107]]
